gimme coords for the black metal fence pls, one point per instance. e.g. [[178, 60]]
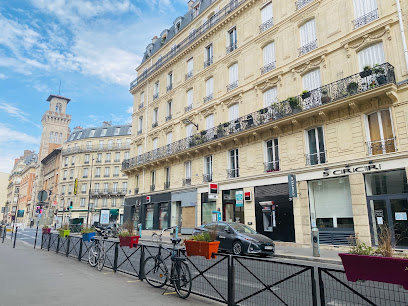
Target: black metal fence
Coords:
[[240, 280]]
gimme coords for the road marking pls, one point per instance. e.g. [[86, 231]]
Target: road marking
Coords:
[[107, 272], [133, 281], [169, 293]]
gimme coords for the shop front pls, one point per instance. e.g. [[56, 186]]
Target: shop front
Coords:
[[208, 207], [183, 210], [233, 206], [132, 210], [274, 212], [156, 211], [387, 200]]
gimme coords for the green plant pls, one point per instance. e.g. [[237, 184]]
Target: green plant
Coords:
[[366, 68], [87, 230], [45, 227], [294, 103], [305, 92], [128, 229], [324, 91], [204, 237], [220, 129], [385, 245], [378, 69], [360, 248], [352, 86], [65, 227]]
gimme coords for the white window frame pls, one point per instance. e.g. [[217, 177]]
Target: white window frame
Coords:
[[187, 170]]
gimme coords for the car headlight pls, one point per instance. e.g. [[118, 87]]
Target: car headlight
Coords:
[[251, 240]]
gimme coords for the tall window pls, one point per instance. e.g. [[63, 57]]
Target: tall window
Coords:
[[209, 122], [110, 144], [139, 150], [270, 96], [51, 136], [365, 12], [233, 111], [86, 160], [116, 171], [119, 143], [126, 155], [169, 108], [233, 76], [124, 186], [153, 178], [101, 143], [156, 88], [115, 187], [85, 172], [266, 15], [167, 176], [104, 202], [272, 155], [155, 143], [233, 163], [107, 171], [113, 202], [371, 56], [65, 175], [316, 153], [73, 160], [66, 161], [140, 124], [142, 98], [117, 130], [170, 81], [98, 172], [108, 157], [380, 136], [190, 67], [105, 187], [187, 168], [60, 138], [268, 57], [208, 55], [79, 135], [83, 188], [117, 156], [99, 158], [82, 203], [63, 189], [190, 98], [96, 187], [155, 115], [208, 160], [308, 40], [89, 145], [189, 130], [311, 80], [169, 138], [232, 40], [209, 89]]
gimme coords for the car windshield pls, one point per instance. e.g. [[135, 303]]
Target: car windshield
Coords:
[[241, 228]]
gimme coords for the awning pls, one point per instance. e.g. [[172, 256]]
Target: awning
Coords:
[[114, 212]]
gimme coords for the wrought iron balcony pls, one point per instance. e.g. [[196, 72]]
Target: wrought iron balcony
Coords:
[[367, 18], [139, 132], [107, 160], [155, 96], [106, 175], [64, 178], [169, 117], [266, 25], [231, 173], [141, 105], [189, 74], [188, 108], [232, 47], [170, 87], [116, 175], [66, 165], [85, 176], [271, 166], [316, 158], [268, 67], [108, 192], [186, 181], [208, 62], [302, 3], [152, 187], [154, 124], [208, 98], [167, 185], [232, 86], [308, 47], [340, 89], [98, 161], [205, 27], [136, 190], [97, 175], [71, 177], [381, 146], [207, 178]]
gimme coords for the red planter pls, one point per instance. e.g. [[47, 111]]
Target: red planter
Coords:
[[46, 230], [375, 268], [200, 248], [130, 241]]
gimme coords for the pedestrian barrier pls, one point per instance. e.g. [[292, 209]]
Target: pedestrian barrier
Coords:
[[241, 280]]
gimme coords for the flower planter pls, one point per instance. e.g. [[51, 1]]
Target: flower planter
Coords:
[[306, 95], [46, 231], [87, 236], [201, 248], [375, 268], [365, 73], [381, 79], [64, 233], [130, 241], [325, 99]]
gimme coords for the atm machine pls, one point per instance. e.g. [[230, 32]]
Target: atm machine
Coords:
[[268, 215]]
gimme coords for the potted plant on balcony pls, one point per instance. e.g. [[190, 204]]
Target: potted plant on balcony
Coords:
[[46, 229], [294, 104], [366, 72], [379, 71], [352, 88], [306, 94], [127, 236], [203, 244], [220, 131], [381, 265], [87, 233], [64, 230], [325, 97]]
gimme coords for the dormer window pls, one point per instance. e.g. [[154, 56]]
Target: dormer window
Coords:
[[177, 27], [103, 133], [196, 10]]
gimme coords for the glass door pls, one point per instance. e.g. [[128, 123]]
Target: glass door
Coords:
[[229, 212], [379, 216], [399, 209]]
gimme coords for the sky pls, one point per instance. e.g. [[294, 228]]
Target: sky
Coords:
[[90, 47]]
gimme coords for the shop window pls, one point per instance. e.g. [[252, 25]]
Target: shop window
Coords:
[[149, 216], [207, 208], [316, 153], [163, 216], [390, 182], [380, 133]]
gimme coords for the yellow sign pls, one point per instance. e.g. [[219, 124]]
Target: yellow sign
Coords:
[[75, 186]]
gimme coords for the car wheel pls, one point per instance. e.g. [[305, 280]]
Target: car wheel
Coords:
[[237, 248]]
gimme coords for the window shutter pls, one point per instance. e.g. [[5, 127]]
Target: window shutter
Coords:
[[169, 138], [311, 80], [209, 122], [190, 97], [233, 73], [269, 54], [270, 96], [266, 12], [308, 33], [371, 56], [155, 144], [209, 86], [233, 112], [190, 65], [363, 7]]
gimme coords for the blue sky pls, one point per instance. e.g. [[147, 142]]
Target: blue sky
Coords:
[[92, 46]]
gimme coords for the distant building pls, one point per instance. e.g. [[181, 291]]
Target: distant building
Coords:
[[4, 181]]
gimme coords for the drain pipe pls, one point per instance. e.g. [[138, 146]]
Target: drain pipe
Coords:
[[404, 43]]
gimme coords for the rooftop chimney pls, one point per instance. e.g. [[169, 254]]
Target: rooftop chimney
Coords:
[[190, 4], [107, 123], [154, 39]]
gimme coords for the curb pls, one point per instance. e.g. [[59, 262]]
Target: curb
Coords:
[[308, 258]]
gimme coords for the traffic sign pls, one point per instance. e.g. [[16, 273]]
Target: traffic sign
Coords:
[[42, 195]]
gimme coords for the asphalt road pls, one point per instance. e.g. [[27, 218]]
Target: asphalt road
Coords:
[[28, 235]]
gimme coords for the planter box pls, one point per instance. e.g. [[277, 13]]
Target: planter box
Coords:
[[46, 230], [381, 79], [306, 95], [64, 233], [87, 236], [375, 268], [365, 73], [200, 248], [129, 241]]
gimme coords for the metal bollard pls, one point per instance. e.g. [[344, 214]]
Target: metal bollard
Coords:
[[36, 234], [15, 238], [4, 233]]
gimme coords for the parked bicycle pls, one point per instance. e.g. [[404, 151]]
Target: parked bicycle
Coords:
[[96, 254], [156, 272]]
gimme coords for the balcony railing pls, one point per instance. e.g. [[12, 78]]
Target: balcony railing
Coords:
[[208, 98], [152, 187], [232, 86], [141, 105], [266, 25], [107, 160], [231, 173], [155, 96], [271, 166], [166, 185], [302, 3], [343, 88], [97, 148], [170, 87], [188, 108], [154, 124], [186, 181], [232, 47], [108, 192], [208, 62], [205, 27], [367, 18], [316, 158], [381, 146], [207, 178], [308, 47], [268, 67], [189, 74], [169, 117]]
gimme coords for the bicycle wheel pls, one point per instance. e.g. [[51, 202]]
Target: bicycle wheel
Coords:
[[155, 272], [181, 278], [101, 258], [93, 255]]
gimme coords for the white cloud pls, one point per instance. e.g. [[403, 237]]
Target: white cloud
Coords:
[[129, 110], [8, 135], [16, 112], [3, 76]]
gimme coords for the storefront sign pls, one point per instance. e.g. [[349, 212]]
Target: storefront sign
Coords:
[[54, 203], [239, 197], [104, 216], [20, 213], [351, 170], [75, 186], [148, 199], [401, 216], [247, 196], [212, 191], [292, 186]]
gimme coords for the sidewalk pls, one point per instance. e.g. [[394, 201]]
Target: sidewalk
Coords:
[[37, 277]]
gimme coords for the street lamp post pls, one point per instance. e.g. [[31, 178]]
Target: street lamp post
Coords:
[[188, 121], [89, 193]]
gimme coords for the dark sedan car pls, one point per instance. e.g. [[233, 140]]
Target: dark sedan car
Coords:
[[239, 238]]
